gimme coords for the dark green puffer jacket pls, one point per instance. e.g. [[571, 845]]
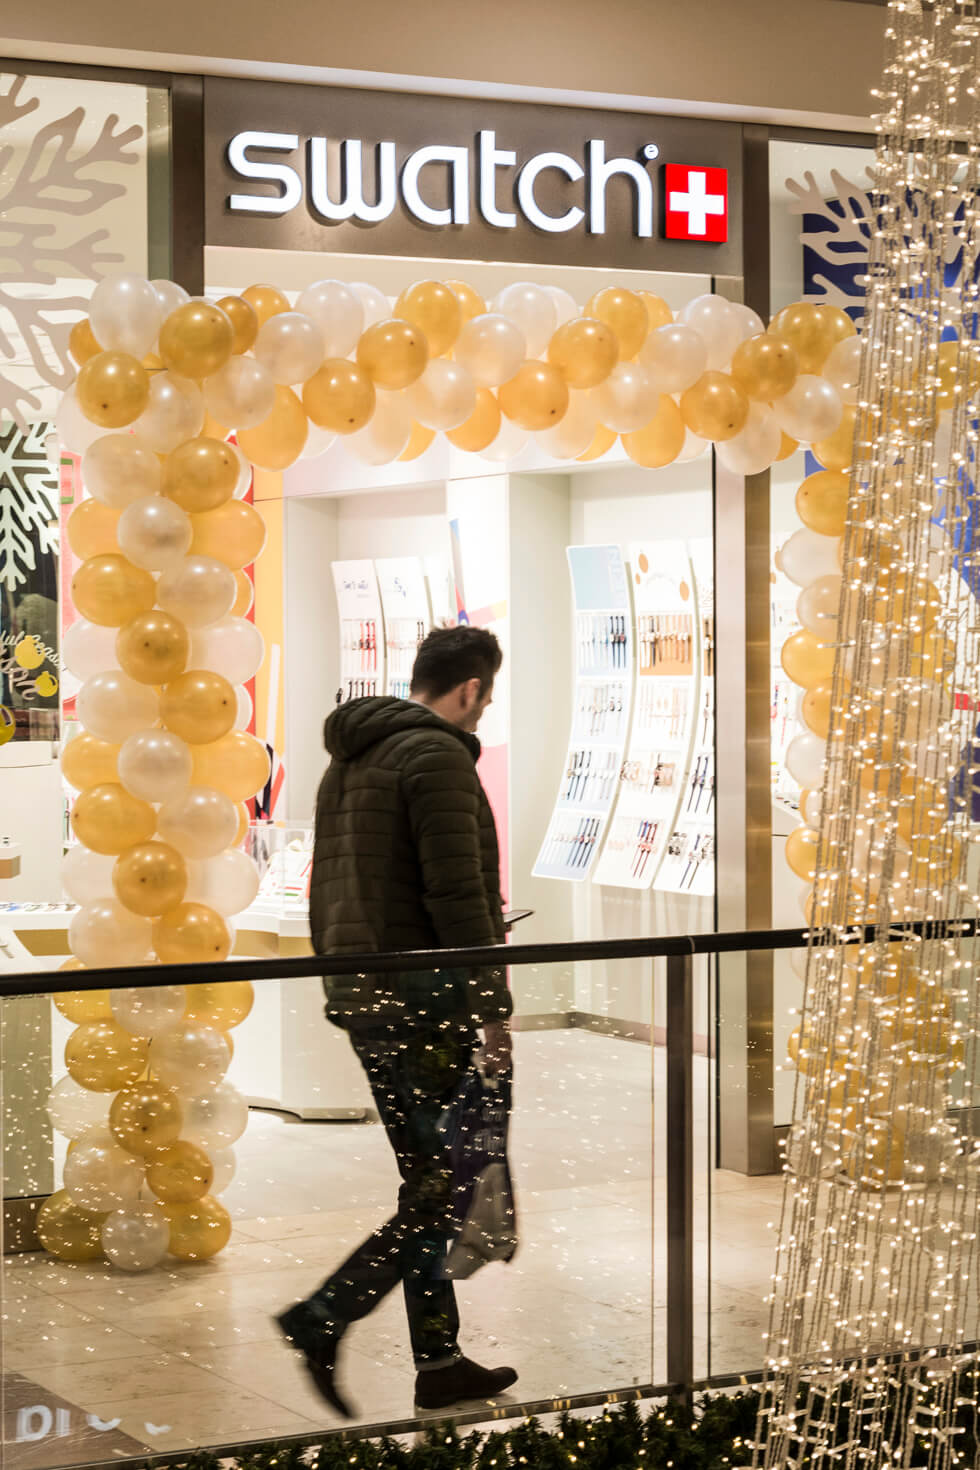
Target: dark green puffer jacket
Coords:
[[405, 857]]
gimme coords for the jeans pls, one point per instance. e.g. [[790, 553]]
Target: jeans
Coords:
[[413, 1075]]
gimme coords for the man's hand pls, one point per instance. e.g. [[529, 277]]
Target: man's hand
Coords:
[[497, 1050]]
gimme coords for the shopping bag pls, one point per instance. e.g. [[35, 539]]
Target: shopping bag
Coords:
[[474, 1126]]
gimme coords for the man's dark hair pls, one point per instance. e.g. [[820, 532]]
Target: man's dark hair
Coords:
[[450, 656]]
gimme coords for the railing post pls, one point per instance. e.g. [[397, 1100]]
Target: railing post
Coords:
[[680, 1175]]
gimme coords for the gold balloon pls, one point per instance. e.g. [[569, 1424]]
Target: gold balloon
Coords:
[[88, 761], [196, 339], [482, 426], [103, 1056], [418, 442], [435, 310], [821, 502], [81, 342], [108, 590], [584, 351], [625, 313], [807, 661], [715, 407], [191, 934], [146, 1117], [236, 764], [233, 533], [765, 367], [83, 1005], [602, 442], [536, 397], [198, 1230], [210, 429], [179, 1173], [244, 322], [150, 878], [91, 529], [199, 706], [801, 852], [837, 451], [153, 648], [812, 331], [67, 1232], [906, 602], [244, 822], [340, 396], [471, 303], [112, 389], [787, 446], [244, 595], [393, 353], [278, 440], [817, 713], [220, 1006], [200, 474], [107, 819], [661, 440], [658, 312], [265, 301]]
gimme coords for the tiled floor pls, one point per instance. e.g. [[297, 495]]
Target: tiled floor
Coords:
[[188, 1356]]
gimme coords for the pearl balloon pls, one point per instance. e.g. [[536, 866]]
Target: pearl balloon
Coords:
[[318, 441], [573, 435], [75, 432], [175, 412], [444, 396], [227, 883], [74, 1109], [126, 313], [86, 876], [113, 706], [155, 765], [242, 393], [386, 434], [675, 356], [374, 304], [105, 933], [807, 556], [755, 448], [120, 468], [811, 410], [136, 1238], [717, 324], [532, 310], [216, 1119], [628, 398], [246, 709], [509, 443], [750, 322], [149, 1010], [491, 348], [154, 533], [88, 648], [223, 1162], [232, 646], [290, 346], [199, 591], [843, 368], [99, 1175], [818, 605], [339, 312], [199, 824], [244, 481], [191, 1060], [805, 760], [169, 295], [566, 306]]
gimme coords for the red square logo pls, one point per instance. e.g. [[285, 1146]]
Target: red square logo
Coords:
[[695, 202]]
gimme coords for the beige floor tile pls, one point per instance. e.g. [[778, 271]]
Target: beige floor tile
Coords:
[[210, 1416], [90, 1383], [38, 1345]]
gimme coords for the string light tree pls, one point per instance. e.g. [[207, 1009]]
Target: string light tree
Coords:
[[876, 1284]]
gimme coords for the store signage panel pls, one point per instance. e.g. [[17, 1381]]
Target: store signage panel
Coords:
[[328, 169]]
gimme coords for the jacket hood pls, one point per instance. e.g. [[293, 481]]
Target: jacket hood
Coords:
[[354, 727]]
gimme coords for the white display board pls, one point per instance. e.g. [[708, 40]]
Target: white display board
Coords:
[[407, 618], [362, 646], [604, 667]]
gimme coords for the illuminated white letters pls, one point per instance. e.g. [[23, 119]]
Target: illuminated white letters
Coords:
[[600, 172], [352, 205], [458, 159], [492, 158], [276, 173], [554, 224]]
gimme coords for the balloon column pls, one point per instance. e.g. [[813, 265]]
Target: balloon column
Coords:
[[161, 768]]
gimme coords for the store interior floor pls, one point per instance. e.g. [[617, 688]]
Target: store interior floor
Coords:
[[189, 1356]]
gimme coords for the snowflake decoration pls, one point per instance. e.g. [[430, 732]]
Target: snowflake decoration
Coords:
[[28, 503], [53, 179]]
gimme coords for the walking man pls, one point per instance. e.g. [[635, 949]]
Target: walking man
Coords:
[[406, 858]]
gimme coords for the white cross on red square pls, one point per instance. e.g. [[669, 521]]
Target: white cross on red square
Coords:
[[695, 202]]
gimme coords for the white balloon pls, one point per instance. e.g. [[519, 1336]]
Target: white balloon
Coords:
[[113, 706], [75, 432], [444, 396], [374, 303], [126, 313], [215, 1119], [154, 533], [692, 447], [386, 434], [120, 468], [227, 883], [232, 646], [99, 1175], [175, 412], [805, 760], [198, 590], [491, 348], [105, 933], [755, 447], [750, 322], [291, 346], [628, 399], [818, 605], [224, 1163], [242, 393], [155, 765], [246, 708], [811, 410], [74, 1109], [566, 306], [244, 483], [87, 648], [150, 1010], [532, 309], [573, 435], [86, 876], [318, 441], [811, 809], [170, 296], [136, 1238], [192, 1059], [199, 824], [340, 312], [808, 555], [717, 324], [843, 368], [510, 441], [675, 356]]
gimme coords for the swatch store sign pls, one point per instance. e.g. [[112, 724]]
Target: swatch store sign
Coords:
[[324, 169]]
